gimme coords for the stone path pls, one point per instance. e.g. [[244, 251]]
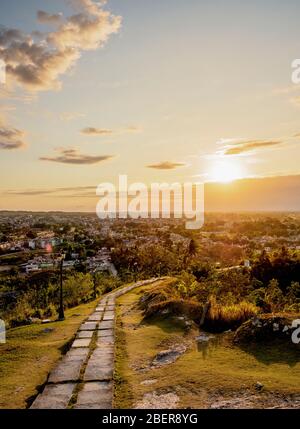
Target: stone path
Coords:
[[83, 379]]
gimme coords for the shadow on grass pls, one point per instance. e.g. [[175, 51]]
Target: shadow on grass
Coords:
[[168, 324], [273, 352]]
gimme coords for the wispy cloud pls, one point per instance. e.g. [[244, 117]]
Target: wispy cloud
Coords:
[[48, 191], [166, 165], [72, 156], [250, 146], [96, 132], [91, 131], [11, 138]]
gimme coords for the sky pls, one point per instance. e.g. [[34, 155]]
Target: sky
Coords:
[[167, 90]]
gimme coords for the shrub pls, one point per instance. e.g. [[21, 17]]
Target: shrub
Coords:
[[21, 312]]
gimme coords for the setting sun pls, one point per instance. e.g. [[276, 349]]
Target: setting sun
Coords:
[[226, 171]]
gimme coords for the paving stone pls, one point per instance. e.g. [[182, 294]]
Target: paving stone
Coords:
[[100, 309], [54, 396], [88, 326], [85, 334], [109, 317], [110, 308], [95, 395], [105, 333], [77, 353], [95, 317], [67, 370], [103, 349], [84, 342], [98, 370], [110, 339], [106, 324]]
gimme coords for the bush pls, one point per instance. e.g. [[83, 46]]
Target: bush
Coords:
[[77, 288], [21, 313]]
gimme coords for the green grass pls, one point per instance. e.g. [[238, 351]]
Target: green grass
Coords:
[[31, 352], [223, 369]]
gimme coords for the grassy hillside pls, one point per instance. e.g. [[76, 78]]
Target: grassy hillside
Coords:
[[204, 374], [31, 352]]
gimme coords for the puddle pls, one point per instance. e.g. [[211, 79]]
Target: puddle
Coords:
[[208, 343]]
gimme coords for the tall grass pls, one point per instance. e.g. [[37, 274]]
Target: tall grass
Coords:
[[221, 316]]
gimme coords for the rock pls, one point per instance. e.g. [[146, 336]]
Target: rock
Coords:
[[259, 386], [267, 327], [275, 327], [166, 357], [46, 321], [148, 382], [154, 400], [48, 330]]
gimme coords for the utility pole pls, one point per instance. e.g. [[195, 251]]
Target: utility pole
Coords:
[[94, 283], [61, 313]]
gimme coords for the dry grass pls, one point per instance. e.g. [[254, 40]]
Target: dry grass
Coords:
[[31, 352], [222, 369], [221, 317]]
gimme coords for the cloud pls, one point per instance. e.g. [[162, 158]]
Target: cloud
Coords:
[[11, 138], [72, 156], [47, 18], [132, 129], [91, 131], [167, 165], [70, 116], [37, 61], [250, 146], [36, 192]]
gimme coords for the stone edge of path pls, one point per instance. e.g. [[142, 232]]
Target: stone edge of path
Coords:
[[83, 378]]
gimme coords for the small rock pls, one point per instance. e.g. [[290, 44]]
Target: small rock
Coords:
[[46, 321], [148, 382], [259, 386], [275, 327], [48, 330], [204, 338]]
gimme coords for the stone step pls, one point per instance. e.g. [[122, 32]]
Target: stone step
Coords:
[[88, 326], [67, 370], [105, 333], [82, 342], [95, 395], [108, 317], [54, 396], [106, 324], [84, 334]]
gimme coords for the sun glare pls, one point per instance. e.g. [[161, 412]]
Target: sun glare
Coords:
[[226, 171]]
